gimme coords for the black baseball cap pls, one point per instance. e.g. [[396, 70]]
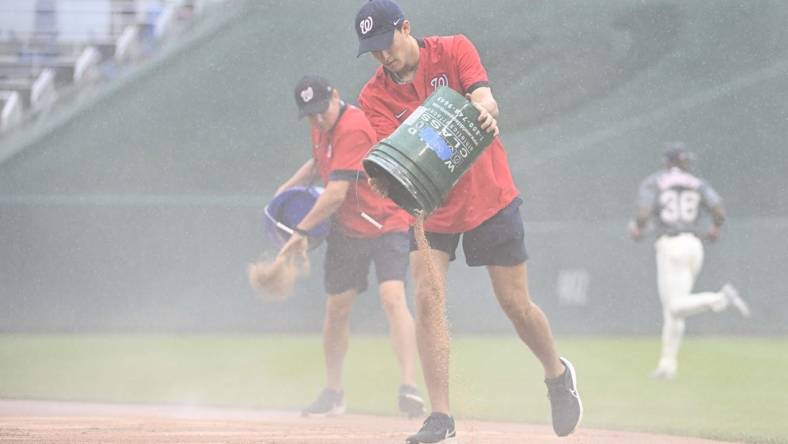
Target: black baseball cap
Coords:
[[677, 155], [312, 95], [676, 152], [376, 22]]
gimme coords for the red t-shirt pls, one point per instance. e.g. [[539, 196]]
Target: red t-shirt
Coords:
[[487, 186], [338, 154]]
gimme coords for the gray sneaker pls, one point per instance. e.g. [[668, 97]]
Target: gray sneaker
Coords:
[[567, 409], [410, 402], [328, 403], [734, 299]]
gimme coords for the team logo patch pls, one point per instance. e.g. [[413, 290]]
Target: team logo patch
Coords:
[[366, 25], [307, 95], [439, 80]]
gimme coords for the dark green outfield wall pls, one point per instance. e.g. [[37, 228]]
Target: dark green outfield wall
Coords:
[[138, 207]]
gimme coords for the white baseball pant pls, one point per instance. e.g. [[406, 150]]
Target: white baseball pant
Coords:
[[679, 261]]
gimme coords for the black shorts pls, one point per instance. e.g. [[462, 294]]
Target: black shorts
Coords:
[[500, 240], [348, 259]]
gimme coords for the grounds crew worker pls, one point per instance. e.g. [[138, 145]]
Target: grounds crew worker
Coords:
[[482, 209], [365, 228]]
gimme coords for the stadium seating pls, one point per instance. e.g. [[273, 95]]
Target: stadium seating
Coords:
[[52, 51]]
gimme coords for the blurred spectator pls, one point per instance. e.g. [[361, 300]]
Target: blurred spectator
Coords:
[[147, 16]]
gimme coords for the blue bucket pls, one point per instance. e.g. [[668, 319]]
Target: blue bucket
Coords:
[[287, 209]]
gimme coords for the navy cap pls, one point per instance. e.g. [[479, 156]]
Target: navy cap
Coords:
[[312, 95], [376, 22], [676, 153]]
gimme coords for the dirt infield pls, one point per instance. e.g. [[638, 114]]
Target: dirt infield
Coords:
[[52, 422]]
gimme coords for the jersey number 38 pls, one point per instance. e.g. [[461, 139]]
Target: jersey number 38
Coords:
[[679, 206]]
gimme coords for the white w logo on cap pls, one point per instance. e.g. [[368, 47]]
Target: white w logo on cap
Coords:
[[307, 94], [366, 25]]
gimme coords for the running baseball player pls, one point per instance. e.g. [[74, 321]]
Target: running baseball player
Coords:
[[676, 201]]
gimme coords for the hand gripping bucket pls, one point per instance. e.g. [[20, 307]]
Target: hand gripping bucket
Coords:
[[287, 209], [422, 160]]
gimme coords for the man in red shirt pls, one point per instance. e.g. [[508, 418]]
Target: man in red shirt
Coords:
[[482, 208], [365, 228]]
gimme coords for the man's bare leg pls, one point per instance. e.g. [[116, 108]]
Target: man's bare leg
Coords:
[[511, 288], [401, 328], [336, 334]]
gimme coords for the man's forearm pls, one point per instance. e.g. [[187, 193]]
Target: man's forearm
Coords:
[[328, 202]]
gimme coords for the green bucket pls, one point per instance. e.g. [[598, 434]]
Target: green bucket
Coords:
[[422, 160]]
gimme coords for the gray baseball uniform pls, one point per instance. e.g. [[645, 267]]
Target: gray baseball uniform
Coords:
[[676, 199]]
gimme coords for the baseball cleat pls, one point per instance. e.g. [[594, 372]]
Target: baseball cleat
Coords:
[[437, 428], [410, 402], [567, 409], [663, 373], [328, 403], [732, 294]]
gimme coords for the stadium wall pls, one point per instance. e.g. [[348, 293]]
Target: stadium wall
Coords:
[[140, 209]]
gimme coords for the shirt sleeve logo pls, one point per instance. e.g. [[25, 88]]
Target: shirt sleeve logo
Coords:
[[366, 25], [307, 95]]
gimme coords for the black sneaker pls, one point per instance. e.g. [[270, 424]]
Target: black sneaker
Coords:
[[564, 400], [328, 403], [410, 402], [438, 427]]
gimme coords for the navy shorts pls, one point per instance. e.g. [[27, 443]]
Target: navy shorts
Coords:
[[348, 258], [500, 240]]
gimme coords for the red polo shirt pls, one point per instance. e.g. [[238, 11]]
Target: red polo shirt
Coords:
[[452, 61], [338, 154]]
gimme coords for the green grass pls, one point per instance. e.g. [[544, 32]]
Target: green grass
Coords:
[[730, 389]]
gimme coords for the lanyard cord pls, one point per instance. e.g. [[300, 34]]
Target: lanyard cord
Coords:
[[363, 214], [330, 147]]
